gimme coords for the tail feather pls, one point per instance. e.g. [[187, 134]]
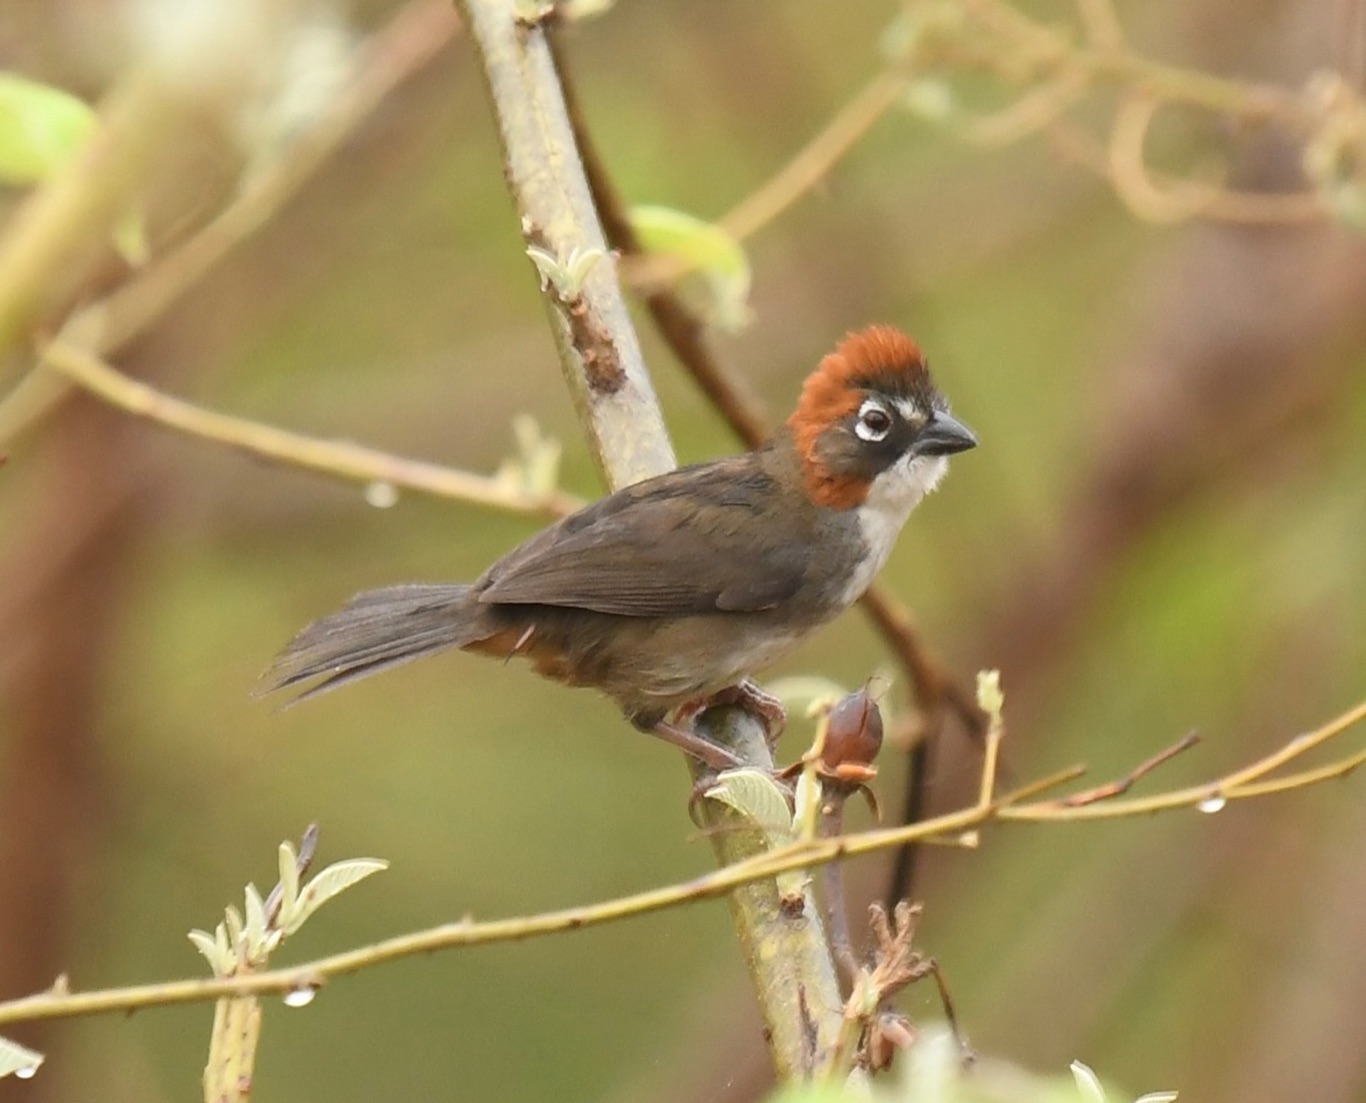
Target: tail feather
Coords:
[[376, 630]]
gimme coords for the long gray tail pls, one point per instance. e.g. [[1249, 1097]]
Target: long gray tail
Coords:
[[374, 631]]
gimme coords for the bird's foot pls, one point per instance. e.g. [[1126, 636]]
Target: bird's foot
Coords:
[[749, 696], [707, 751]]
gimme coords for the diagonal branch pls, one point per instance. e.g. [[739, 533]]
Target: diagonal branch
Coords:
[[331, 457], [392, 54]]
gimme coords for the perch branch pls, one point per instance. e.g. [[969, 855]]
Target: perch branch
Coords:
[[789, 964], [1248, 782]]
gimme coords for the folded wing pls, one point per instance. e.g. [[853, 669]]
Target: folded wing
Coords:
[[687, 542]]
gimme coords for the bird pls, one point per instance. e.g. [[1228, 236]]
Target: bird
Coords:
[[668, 594]]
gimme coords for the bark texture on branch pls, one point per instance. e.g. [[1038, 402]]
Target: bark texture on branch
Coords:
[[784, 947]]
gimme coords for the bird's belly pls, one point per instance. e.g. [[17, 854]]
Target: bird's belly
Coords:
[[699, 655], [648, 664]]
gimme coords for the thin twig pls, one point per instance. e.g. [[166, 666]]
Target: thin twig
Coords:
[[50, 241], [1250, 781], [1057, 72], [61, 1003], [1103, 28], [1022, 37], [1222, 204], [337, 458], [401, 48], [1122, 785], [991, 760], [830, 824], [1042, 785], [391, 55], [796, 178], [814, 162]]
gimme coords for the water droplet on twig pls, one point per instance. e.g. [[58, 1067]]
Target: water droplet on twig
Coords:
[[301, 996], [1213, 804], [380, 494]]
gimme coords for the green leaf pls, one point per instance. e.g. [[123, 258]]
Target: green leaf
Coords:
[[577, 10], [289, 883], [227, 951], [208, 946], [807, 799], [234, 927], [757, 797], [719, 278], [256, 921], [41, 128], [17, 1060], [1088, 1083], [565, 272], [991, 700], [334, 879], [930, 99]]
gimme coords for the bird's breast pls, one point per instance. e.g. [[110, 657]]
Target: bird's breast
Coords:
[[880, 519]]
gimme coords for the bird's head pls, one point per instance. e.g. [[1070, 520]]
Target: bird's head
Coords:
[[871, 427]]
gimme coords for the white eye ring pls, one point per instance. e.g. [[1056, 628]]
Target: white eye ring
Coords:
[[874, 421]]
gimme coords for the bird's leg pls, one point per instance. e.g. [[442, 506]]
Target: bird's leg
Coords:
[[714, 754], [748, 696]]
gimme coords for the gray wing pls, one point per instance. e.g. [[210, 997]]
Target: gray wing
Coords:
[[691, 541]]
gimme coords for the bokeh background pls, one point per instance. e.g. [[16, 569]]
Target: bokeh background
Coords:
[[1164, 529]]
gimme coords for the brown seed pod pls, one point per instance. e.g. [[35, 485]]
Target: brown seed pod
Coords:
[[853, 734]]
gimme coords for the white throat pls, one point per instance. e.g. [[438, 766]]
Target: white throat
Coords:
[[894, 493]]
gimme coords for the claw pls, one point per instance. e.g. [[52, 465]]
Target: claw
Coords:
[[749, 696]]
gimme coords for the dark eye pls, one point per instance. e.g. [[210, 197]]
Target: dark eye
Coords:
[[874, 422]]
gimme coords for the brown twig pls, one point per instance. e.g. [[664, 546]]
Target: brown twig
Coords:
[[830, 824], [896, 963], [1056, 72], [337, 458], [1122, 785], [817, 158]]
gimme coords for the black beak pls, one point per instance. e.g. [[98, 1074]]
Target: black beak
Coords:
[[943, 436]]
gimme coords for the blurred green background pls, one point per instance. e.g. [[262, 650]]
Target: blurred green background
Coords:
[[1163, 530]]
